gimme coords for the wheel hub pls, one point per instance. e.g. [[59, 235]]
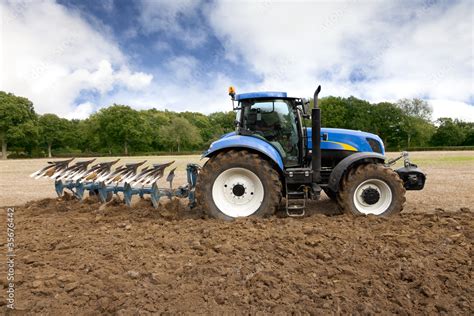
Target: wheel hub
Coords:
[[370, 196], [238, 190], [373, 196]]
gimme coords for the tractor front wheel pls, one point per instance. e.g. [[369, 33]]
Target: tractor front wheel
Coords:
[[371, 189], [238, 184]]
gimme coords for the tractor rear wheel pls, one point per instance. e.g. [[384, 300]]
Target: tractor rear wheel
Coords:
[[371, 189], [238, 183]]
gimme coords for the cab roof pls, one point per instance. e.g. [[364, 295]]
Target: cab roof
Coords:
[[260, 95]]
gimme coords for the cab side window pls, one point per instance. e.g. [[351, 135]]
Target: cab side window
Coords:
[[275, 122]]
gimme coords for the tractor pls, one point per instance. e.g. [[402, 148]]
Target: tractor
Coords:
[[272, 155]]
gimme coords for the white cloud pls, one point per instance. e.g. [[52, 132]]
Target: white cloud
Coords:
[[453, 109], [165, 15], [198, 95], [50, 55], [412, 49], [81, 111], [133, 80], [400, 50], [182, 67]]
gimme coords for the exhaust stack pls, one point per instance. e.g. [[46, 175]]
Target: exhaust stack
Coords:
[[316, 138]]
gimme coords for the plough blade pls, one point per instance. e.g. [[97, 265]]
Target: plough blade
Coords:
[[100, 180], [52, 168], [121, 173], [170, 178], [98, 170], [151, 174], [78, 179], [78, 169]]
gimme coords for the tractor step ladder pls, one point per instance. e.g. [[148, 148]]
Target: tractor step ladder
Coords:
[[295, 203]]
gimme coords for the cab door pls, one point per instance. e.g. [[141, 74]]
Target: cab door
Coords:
[[275, 121]]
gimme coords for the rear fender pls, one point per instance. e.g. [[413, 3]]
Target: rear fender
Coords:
[[350, 162], [246, 142]]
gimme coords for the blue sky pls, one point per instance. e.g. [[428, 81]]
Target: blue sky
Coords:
[[75, 57]]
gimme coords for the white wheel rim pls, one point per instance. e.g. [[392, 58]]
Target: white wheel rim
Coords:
[[237, 192], [379, 207]]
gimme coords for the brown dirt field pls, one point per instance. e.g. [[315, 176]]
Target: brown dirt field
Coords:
[[88, 258]]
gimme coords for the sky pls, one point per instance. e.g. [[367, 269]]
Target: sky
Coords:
[[75, 57]]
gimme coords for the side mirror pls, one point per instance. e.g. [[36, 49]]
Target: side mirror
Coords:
[[306, 107]]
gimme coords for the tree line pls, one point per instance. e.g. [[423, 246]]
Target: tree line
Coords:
[[402, 125], [119, 129], [115, 130]]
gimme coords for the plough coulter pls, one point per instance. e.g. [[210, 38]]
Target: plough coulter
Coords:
[[102, 181]]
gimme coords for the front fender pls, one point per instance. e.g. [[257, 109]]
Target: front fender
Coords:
[[249, 142], [347, 163]]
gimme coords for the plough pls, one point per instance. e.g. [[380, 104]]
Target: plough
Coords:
[[101, 181]]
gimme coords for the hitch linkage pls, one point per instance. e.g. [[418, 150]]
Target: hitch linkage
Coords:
[[413, 178]]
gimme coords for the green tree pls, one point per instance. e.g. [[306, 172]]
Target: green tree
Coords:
[[52, 130], [17, 121], [449, 133], [359, 115], [333, 111], [220, 123], [469, 141], [120, 126], [202, 122], [180, 133], [387, 123], [154, 120], [226, 120], [469, 131], [85, 134], [74, 134], [417, 117], [351, 113], [417, 131], [416, 108]]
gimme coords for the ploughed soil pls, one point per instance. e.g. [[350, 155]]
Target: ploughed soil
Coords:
[[87, 258]]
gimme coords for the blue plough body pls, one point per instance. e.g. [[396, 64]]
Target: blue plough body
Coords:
[[102, 182]]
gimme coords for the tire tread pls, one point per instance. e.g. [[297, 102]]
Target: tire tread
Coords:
[[216, 163], [358, 174]]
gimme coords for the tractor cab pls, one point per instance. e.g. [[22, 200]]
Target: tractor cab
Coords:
[[275, 118]]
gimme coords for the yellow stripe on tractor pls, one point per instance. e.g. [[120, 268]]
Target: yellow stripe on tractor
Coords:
[[345, 146]]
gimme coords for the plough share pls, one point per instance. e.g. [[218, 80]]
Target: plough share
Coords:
[[101, 181]]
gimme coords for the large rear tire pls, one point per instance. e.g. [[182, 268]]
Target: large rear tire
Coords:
[[238, 184], [371, 189]]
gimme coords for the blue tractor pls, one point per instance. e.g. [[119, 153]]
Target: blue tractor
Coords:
[[272, 156]]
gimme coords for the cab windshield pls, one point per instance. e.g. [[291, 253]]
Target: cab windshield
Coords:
[[275, 121]]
